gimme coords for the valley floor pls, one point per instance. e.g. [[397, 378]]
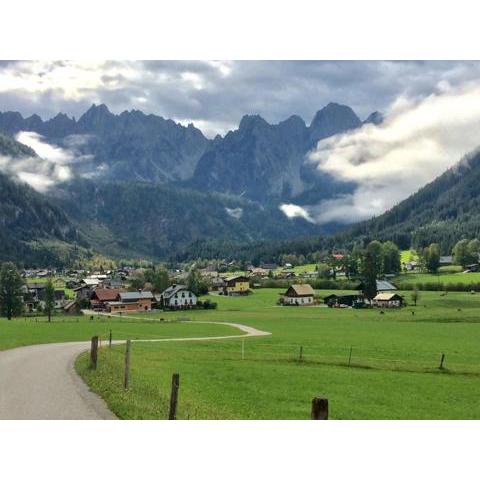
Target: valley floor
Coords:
[[393, 374]]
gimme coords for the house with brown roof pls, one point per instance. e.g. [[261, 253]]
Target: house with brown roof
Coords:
[[300, 294], [101, 296]]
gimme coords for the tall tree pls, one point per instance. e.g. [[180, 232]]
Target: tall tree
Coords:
[[160, 279], [462, 254], [474, 249], [431, 257], [415, 295], [196, 283], [49, 299], [371, 268], [391, 258], [11, 301]]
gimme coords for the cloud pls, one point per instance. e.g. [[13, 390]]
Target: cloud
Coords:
[[52, 166], [418, 141], [293, 211], [214, 95], [235, 213]]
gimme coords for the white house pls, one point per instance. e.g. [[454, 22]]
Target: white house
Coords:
[[301, 294], [178, 296]]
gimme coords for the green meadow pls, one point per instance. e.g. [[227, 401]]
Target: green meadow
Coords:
[[369, 364]]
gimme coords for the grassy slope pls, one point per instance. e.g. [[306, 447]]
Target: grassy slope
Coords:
[[394, 370]]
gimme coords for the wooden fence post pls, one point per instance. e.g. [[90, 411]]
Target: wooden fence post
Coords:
[[172, 415], [94, 353], [320, 408], [300, 354], [110, 339], [126, 381], [350, 355], [441, 362], [243, 349]]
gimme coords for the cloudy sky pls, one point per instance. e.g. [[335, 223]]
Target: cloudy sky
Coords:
[[214, 95], [431, 110]]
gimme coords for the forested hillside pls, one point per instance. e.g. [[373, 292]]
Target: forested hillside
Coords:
[[141, 219]]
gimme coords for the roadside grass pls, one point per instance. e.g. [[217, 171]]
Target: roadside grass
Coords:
[[393, 372]]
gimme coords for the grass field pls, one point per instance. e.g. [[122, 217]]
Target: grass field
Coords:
[[26, 331], [393, 371], [442, 277]]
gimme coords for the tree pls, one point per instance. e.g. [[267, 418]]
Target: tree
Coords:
[[415, 296], [158, 278], [196, 283], [350, 265], [371, 267], [431, 257], [333, 263], [474, 249], [462, 254], [11, 301], [323, 271], [391, 258], [49, 299]]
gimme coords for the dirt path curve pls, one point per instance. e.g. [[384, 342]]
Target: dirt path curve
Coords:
[[39, 382]]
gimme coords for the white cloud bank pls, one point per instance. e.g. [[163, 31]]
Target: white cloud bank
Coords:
[[53, 164], [291, 211], [418, 141]]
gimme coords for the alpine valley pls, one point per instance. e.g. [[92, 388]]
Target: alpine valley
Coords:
[[141, 186]]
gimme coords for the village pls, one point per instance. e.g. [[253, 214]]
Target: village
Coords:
[[116, 292]]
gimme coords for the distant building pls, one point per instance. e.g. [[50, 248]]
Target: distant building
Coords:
[[348, 300], [236, 285], [301, 294], [132, 302], [388, 300], [385, 286], [177, 297], [218, 284], [382, 286], [446, 260], [100, 297]]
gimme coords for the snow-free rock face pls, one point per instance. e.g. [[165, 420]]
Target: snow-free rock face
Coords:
[[131, 145], [267, 162]]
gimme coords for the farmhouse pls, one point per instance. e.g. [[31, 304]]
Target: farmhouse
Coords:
[[236, 285], [101, 296], [131, 302], [337, 300], [177, 297], [388, 300], [218, 284], [299, 295]]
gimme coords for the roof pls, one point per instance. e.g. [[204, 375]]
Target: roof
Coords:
[[384, 285], [446, 259], [343, 295], [386, 296], [302, 289], [106, 294], [172, 290], [133, 296], [91, 281], [236, 277]]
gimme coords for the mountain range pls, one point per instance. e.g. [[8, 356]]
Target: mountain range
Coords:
[[148, 187]]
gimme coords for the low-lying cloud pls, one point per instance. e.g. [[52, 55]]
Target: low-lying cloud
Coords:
[[418, 141], [52, 166]]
